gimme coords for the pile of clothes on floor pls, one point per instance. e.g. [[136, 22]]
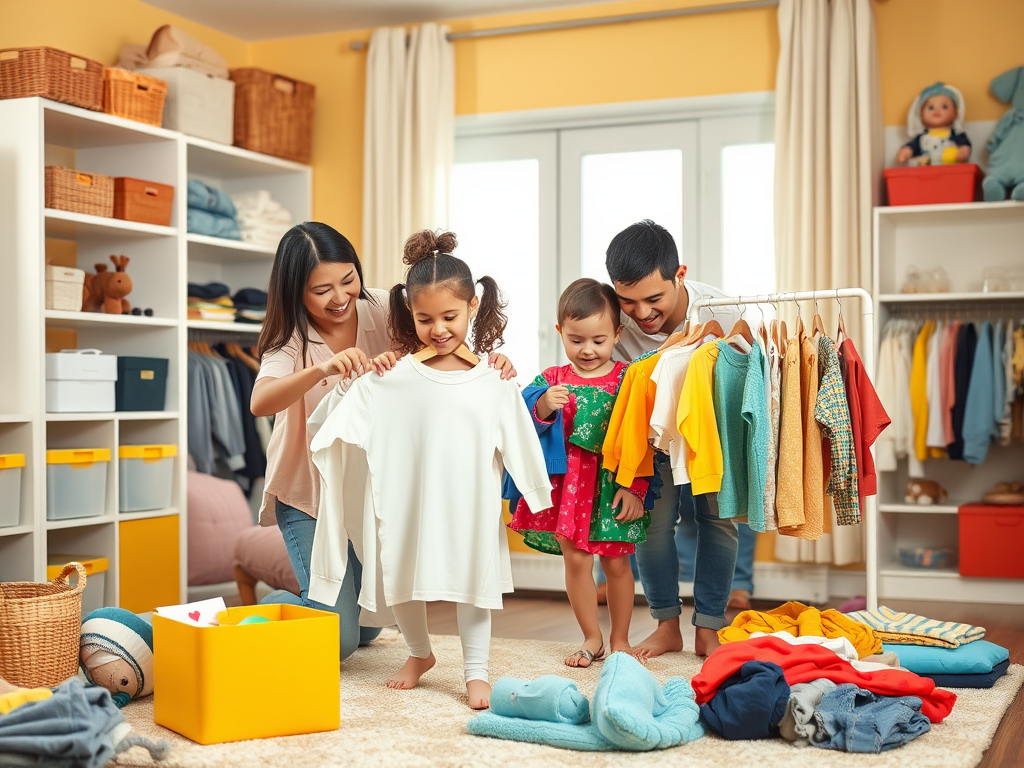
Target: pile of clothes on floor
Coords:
[[252, 217], [214, 301]]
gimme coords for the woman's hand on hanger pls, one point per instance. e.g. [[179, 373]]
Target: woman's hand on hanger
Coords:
[[384, 362], [501, 363], [345, 362], [632, 508]]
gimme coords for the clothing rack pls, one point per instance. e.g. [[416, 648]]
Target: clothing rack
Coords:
[[232, 332], [867, 354]]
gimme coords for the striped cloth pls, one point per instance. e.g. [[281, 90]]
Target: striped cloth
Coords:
[[909, 629]]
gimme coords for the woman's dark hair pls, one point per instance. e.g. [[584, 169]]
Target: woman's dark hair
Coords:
[[586, 297], [300, 250], [431, 263]]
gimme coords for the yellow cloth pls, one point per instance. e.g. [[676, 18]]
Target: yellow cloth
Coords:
[[798, 619], [14, 699], [625, 444], [919, 390], [789, 488], [696, 418]]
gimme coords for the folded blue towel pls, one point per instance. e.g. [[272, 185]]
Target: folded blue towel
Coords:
[[202, 222], [207, 198], [551, 698]]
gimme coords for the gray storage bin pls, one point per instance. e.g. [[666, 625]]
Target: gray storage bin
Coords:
[[11, 466], [146, 477], [76, 483]]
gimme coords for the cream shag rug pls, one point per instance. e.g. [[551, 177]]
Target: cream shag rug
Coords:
[[427, 726]]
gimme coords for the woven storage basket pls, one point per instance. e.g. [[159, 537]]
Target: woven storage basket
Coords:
[[40, 627], [134, 96], [70, 190], [145, 201], [64, 288], [273, 114], [52, 74]]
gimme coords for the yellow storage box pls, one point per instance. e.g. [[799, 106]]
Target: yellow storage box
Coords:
[[254, 681]]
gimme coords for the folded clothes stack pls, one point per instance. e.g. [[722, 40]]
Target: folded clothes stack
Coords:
[[250, 306], [211, 301], [262, 220], [211, 212]]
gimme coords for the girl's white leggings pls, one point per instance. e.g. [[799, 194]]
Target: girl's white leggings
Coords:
[[474, 631]]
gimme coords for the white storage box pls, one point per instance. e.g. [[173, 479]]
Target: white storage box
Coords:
[[146, 476], [76, 483], [197, 104], [11, 465], [95, 577], [64, 288], [80, 381]]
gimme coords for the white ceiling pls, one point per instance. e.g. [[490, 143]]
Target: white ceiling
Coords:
[[253, 20]]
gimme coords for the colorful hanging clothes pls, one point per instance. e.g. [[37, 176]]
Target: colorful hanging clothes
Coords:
[[789, 495], [626, 450], [980, 424], [966, 343], [697, 422], [832, 412], [774, 377], [919, 390], [581, 508], [867, 416], [798, 620]]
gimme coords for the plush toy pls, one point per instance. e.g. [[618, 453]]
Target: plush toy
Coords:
[[936, 126], [924, 492], [1005, 493], [117, 653], [1006, 147], [105, 291]]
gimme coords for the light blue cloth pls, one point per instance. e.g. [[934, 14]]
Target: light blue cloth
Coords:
[[207, 198], [212, 225], [999, 332], [1005, 172], [551, 698], [980, 424], [977, 657], [631, 712], [851, 719]]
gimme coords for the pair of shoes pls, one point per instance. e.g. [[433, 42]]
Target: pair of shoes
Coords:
[[584, 655], [739, 600]]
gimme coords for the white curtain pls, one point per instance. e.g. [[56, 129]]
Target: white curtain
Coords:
[[409, 143], [828, 150]]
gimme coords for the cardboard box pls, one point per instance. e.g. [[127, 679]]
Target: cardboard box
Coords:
[[254, 681]]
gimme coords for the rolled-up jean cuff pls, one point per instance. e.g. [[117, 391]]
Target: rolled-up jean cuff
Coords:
[[709, 622], [664, 614]]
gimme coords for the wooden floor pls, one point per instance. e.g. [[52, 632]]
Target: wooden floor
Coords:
[[549, 617]]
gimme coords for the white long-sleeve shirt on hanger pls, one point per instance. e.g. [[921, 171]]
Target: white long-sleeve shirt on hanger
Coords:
[[935, 436], [411, 466]]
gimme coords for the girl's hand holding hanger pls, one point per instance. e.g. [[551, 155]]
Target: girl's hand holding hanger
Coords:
[[346, 362], [632, 507], [503, 364]]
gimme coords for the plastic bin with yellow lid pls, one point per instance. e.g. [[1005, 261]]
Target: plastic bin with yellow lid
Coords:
[[11, 465], [76, 482], [146, 477], [95, 572]]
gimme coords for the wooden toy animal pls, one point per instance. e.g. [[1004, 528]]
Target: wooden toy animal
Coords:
[[105, 291]]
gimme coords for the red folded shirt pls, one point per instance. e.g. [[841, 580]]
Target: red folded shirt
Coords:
[[803, 663]]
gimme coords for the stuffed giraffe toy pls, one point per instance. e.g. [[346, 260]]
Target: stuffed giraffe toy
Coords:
[[105, 291]]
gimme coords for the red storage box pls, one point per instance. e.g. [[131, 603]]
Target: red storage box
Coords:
[[930, 184], [991, 541]]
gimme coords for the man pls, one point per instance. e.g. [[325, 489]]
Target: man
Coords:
[[643, 264]]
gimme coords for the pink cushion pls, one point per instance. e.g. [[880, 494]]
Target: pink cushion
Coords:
[[261, 553], [217, 513]]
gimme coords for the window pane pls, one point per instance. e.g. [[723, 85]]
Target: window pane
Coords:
[[623, 188], [748, 219], [494, 208]]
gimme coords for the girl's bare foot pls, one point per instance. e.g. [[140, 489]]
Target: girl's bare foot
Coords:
[[411, 672], [592, 650], [479, 694]]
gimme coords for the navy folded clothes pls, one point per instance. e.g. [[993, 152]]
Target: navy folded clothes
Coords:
[[851, 719], [206, 198], [973, 680], [250, 298], [750, 704], [202, 222], [208, 291]]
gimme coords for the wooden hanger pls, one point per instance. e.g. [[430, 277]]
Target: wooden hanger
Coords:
[[841, 334], [463, 352], [673, 339], [741, 330]]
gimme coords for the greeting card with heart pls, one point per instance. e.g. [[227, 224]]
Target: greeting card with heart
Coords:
[[202, 613]]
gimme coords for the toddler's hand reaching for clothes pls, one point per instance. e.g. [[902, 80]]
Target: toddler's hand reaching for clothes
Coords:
[[345, 362], [553, 400], [631, 506]]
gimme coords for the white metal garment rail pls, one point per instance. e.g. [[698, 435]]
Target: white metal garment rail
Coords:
[[867, 354]]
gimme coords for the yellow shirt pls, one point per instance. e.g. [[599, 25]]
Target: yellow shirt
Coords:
[[798, 619], [919, 390], [696, 420], [14, 699], [789, 488], [813, 480], [625, 444]]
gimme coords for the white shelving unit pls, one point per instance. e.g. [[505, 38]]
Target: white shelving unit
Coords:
[[965, 240], [38, 132]]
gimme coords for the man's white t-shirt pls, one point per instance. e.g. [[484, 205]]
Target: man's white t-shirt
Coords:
[[633, 342]]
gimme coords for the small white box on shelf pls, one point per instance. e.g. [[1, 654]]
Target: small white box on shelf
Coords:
[[64, 288], [76, 483], [197, 104], [11, 466], [80, 381]]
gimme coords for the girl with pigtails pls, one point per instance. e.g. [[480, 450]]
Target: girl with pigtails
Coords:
[[411, 465]]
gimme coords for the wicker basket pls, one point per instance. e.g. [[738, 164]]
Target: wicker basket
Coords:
[[70, 190], [40, 626], [273, 114], [64, 288], [52, 74], [134, 96]]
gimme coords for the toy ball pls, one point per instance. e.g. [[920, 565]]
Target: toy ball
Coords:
[[254, 620]]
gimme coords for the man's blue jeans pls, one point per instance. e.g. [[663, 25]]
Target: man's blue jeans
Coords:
[[297, 528], [686, 546], [715, 559]]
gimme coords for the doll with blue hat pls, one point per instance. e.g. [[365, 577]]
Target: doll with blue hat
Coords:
[[117, 653], [936, 124]]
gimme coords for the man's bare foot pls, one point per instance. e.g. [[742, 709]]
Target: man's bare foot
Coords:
[[739, 600], [479, 694], [667, 637], [707, 641], [592, 650], [602, 593], [411, 672]]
